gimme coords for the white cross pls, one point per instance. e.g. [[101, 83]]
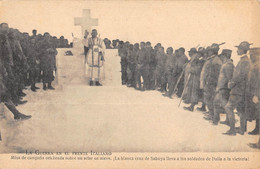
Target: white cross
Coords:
[[86, 22]]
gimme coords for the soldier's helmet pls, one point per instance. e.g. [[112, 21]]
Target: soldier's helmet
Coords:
[[244, 45]]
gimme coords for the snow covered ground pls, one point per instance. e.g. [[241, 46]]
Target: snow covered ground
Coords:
[[79, 118]]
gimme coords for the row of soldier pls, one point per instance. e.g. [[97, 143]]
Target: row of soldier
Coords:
[[207, 77], [24, 61]]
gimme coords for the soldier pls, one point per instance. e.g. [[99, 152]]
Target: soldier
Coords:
[[34, 33], [16, 85], [181, 59], [253, 91], [122, 51], [6, 98], [160, 67], [47, 60], [131, 65], [193, 83], [205, 57], [186, 68], [177, 74], [33, 61], [169, 69], [210, 75], [142, 68], [114, 44], [238, 90], [222, 90], [84, 42], [152, 67], [24, 41], [6, 74], [150, 53]]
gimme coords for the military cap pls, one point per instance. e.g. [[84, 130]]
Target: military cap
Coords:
[[215, 46], [193, 50], [201, 49], [244, 45], [255, 51], [226, 52]]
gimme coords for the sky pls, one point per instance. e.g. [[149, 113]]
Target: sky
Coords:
[[172, 23]]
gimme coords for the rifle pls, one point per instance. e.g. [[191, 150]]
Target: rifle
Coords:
[[184, 90], [178, 81]]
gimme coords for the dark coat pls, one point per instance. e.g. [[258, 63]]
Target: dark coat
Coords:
[[238, 82], [192, 91], [253, 89], [225, 74], [142, 59], [210, 73], [6, 50], [179, 62]]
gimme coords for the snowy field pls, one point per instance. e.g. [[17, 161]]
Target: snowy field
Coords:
[[79, 118]]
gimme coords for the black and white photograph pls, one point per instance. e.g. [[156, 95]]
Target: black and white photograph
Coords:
[[130, 77]]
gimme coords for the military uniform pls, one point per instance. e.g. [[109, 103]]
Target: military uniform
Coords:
[[168, 75], [180, 61], [191, 93], [210, 73], [253, 90], [222, 90], [238, 91], [131, 66], [151, 57], [142, 68], [47, 62], [122, 51], [33, 61], [160, 67]]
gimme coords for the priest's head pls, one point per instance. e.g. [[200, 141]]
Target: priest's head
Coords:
[[94, 33]]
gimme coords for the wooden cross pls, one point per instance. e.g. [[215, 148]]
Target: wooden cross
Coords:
[[86, 22]]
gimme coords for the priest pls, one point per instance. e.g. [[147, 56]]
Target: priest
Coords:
[[95, 58]]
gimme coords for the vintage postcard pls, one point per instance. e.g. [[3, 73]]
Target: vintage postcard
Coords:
[[129, 84]]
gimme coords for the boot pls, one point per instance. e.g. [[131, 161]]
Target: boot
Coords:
[[167, 94], [21, 93], [256, 130], [226, 122], [91, 83], [190, 108], [202, 108], [98, 84], [44, 87], [230, 132], [33, 88], [21, 102], [50, 87], [22, 117]]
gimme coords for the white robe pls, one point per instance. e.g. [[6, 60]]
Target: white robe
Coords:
[[96, 46]]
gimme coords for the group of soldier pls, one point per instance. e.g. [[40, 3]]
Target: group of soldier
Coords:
[[207, 76], [24, 61]]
